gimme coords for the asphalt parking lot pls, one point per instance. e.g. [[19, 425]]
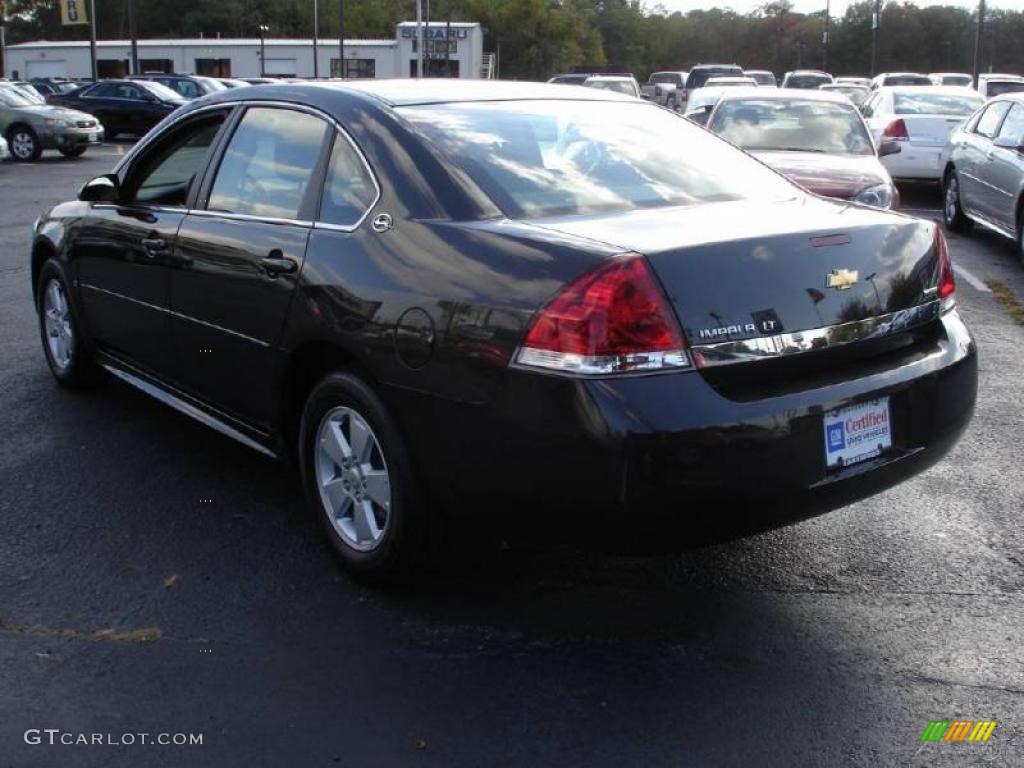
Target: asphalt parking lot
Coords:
[[158, 578]]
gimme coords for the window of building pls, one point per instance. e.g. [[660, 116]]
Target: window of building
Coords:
[[355, 68], [268, 163], [155, 66], [436, 67], [213, 67], [111, 68]]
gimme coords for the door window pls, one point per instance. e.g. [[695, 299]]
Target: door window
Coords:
[[349, 189], [988, 123], [165, 173], [268, 163], [1013, 125]]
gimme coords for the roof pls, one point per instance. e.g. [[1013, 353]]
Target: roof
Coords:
[[406, 92], [198, 42], [785, 94], [996, 76], [943, 90]]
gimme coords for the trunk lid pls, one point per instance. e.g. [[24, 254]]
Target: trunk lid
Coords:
[[741, 270], [930, 130]]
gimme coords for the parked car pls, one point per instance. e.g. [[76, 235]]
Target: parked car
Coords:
[[889, 79], [815, 138], [263, 80], [806, 78], [990, 85], [489, 281], [625, 84], [231, 82], [30, 127], [848, 80], [124, 106], [698, 77], [661, 88], [983, 178], [961, 79], [701, 103], [187, 86], [572, 78], [730, 82], [857, 94], [762, 77], [920, 119], [28, 90], [49, 88]]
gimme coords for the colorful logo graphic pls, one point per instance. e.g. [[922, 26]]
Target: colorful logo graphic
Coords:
[[958, 730]]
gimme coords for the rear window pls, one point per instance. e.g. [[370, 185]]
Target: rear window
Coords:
[[806, 81], [908, 80], [965, 80], [999, 87], [935, 104], [698, 77], [545, 158]]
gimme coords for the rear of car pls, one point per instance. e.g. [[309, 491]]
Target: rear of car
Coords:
[[920, 119], [806, 79], [895, 79], [740, 351], [762, 77], [957, 79], [664, 88], [698, 77], [990, 86], [616, 83]]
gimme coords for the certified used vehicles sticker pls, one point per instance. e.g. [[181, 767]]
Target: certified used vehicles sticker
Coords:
[[857, 433]]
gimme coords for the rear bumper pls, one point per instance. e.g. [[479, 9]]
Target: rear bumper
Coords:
[[661, 453], [916, 162]]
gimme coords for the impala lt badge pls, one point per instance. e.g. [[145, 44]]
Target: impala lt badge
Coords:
[[841, 279]]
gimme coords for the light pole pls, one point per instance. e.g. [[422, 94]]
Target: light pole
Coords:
[[263, 28], [419, 38], [876, 22], [134, 38], [316, 34], [341, 38], [977, 39], [92, 39], [824, 41]]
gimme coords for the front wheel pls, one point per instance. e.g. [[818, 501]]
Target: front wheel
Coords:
[[358, 477], [68, 353], [952, 212], [72, 151], [24, 144]]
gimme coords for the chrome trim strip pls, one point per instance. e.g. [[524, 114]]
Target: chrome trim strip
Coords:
[[829, 337], [188, 409], [207, 213], [175, 314], [151, 137]]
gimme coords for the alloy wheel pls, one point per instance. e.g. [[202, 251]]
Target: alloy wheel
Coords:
[[23, 145], [952, 199], [352, 477], [60, 335]]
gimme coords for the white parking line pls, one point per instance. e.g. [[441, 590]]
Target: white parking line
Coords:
[[972, 280]]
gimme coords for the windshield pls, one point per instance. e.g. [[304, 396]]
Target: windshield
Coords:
[[544, 158], [162, 92], [999, 87], [619, 86], [789, 124], [935, 104], [12, 97], [806, 81]]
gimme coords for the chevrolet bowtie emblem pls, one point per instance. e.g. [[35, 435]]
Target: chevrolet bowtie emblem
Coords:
[[841, 279]]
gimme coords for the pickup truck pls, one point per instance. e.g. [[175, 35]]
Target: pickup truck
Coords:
[[661, 88]]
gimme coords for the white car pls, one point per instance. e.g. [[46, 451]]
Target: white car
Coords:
[[5, 153], [729, 81], [990, 85], [895, 79], [763, 77], [920, 118], [701, 103], [619, 83], [961, 79], [848, 80]]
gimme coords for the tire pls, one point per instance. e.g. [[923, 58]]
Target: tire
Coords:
[[952, 213], [671, 103], [370, 508], [66, 346], [73, 151], [24, 144]]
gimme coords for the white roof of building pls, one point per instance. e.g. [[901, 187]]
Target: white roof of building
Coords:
[[199, 42]]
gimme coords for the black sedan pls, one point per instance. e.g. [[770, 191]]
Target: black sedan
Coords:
[[123, 106], [454, 303]]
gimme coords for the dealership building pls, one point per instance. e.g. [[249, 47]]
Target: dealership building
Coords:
[[450, 49]]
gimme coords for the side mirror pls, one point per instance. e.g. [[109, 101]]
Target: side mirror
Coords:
[[102, 189], [887, 148], [1005, 142]]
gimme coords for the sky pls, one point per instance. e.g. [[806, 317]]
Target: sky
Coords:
[[838, 7]]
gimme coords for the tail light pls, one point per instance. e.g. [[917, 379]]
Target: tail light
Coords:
[[613, 319], [947, 285], [896, 131]]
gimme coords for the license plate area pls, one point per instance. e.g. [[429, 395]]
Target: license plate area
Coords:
[[857, 433]]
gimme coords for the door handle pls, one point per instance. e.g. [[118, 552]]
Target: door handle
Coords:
[[154, 246], [275, 263]]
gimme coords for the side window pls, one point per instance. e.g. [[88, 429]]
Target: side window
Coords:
[[102, 91], [187, 88], [1013, 125], [268, 163], [166, 172], [125, 91], [349, 189], [869, 108], [988, 123]]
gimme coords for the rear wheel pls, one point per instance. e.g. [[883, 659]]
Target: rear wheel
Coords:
[[24, 144], [68, 352], [358, 477], [671, 103], [72, 151], [952, 212]]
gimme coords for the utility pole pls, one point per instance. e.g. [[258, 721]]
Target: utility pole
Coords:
[[341, 38], [977, 40], [316, 34], [876, 22], [263, 28], [419, 38], [133, 36], [824, 41], [92, 38]]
